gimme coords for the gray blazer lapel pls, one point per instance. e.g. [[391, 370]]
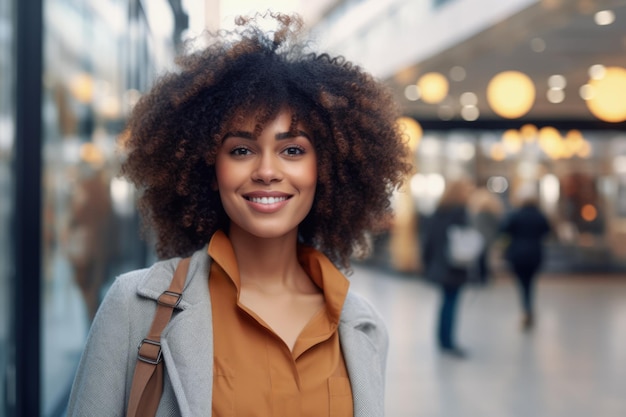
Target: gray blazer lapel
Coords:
[[186, 342]]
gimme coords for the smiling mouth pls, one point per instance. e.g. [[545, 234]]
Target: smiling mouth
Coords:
[[266, 200]]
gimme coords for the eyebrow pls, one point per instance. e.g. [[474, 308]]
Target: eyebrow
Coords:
[[279, 136]]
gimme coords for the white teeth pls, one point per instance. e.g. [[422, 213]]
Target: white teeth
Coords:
[[267, 200]]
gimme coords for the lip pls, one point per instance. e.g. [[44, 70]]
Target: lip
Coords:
[[266, 201]]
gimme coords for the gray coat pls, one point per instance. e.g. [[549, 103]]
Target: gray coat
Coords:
[[102, 384]]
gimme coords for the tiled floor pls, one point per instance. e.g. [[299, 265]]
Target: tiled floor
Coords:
[[573, 363]]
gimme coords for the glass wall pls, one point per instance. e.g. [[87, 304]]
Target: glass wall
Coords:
[[98, 56], [6, 203]]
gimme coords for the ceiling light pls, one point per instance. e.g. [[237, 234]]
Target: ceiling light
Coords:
[[470, 113], [555, 95], [511, 94], [596, 71], [557, 81], [586, 92], [434, 87], [468, 99], [604, 17], [412, 92], [457, 73], [607, 102]]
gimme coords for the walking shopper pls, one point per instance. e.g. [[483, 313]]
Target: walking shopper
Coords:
[[270, 165], [450, 278], [526, 227]]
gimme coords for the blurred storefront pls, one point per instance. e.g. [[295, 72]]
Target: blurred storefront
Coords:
[[578, 176], [88, 62], [504, 94]]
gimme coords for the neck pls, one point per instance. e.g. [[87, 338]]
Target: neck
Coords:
[[269, 263]]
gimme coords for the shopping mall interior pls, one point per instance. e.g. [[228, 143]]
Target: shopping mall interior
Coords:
[[505, 94]]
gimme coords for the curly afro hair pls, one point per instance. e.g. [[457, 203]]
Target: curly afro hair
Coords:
[[175, 130]]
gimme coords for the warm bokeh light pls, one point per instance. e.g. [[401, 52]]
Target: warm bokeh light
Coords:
[[433, 86], [550, 142], [91, 154], [585, 150], [511, 94], [608, 98], [557, 81], [497, 152], [470, 113], [588, 212], [512, 141], [529, 132], [597, 71], [82, 87], [412, 92], [555, 95], [604, 17], [574, 142]]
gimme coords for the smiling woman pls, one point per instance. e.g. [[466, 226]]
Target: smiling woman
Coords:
[[268, 165]]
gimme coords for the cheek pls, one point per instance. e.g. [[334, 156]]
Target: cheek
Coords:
[[221, 180], [308, 177]]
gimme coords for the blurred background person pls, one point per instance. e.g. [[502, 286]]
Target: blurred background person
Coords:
[[485, 214], [90, 235], [526, 226], [451, 210]]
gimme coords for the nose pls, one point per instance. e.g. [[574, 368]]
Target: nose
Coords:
[[267, 170]]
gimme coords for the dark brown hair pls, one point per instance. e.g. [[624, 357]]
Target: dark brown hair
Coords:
[[175, 130]]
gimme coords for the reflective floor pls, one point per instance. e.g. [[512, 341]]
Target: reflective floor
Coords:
[[573, 363]]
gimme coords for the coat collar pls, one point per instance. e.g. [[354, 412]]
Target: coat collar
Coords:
[[188, 348]]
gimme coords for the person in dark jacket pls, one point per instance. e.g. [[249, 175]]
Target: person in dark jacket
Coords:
[[437, 266], [526, 227]]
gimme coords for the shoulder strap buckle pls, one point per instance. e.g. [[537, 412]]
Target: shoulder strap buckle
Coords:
[[170, 299], [151, 352]]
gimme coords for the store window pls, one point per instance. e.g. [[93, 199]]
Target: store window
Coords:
[[98, 56]]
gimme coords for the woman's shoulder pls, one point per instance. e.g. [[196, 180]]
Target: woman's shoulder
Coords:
[[357, 308], [156, 278]]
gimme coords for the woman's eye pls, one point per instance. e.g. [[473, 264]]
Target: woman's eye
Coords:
[[294, 151], [241, 151]]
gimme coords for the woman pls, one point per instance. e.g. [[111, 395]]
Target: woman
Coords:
[[451, 211], [526, 226], [269, 165]]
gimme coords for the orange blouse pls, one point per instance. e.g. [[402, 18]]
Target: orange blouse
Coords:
[[255, 373]]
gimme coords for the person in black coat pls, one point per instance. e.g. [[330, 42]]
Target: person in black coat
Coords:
[[437, 266], [526, 227]]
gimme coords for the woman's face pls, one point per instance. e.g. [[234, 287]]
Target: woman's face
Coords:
[[267, 184]]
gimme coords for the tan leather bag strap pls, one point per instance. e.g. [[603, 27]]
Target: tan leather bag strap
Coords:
[[147, 387]]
